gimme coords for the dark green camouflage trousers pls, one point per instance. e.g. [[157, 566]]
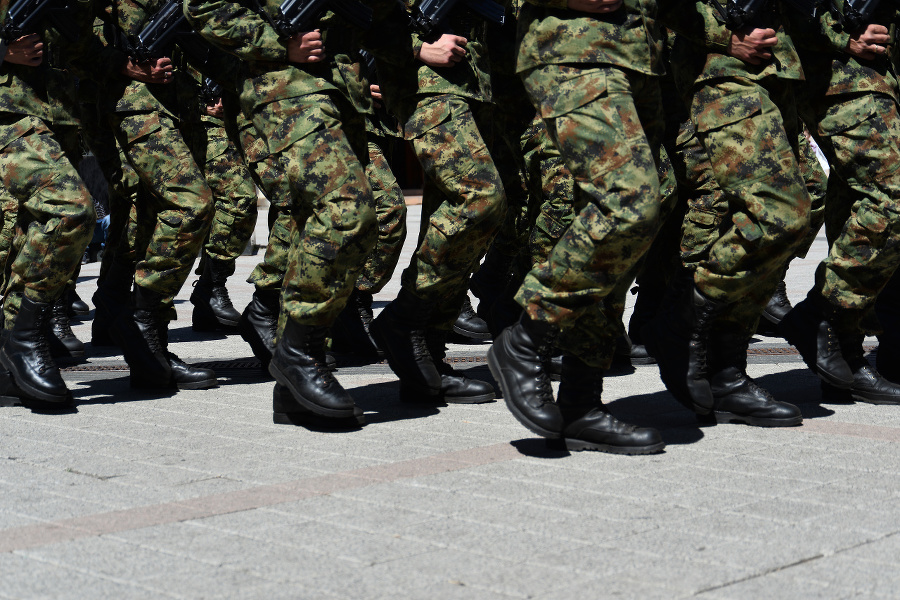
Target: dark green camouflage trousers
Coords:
[[739, 241], [860, 136], [234, 195], [175, 214], [607, 124], [54, 217], [463, 202], [333, 228]]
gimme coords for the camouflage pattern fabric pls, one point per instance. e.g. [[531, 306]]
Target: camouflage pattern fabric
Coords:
[[55, 213], [462, 200], [390, 213], [178, 208], [234, 194], [9, 204], [749, 132], [333, 227], [607, 124]]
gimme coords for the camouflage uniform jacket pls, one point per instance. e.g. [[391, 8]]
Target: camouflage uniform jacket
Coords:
[[831, 71], [24, 90], [701, 48], [250, 36], [411, 78], [629, 37]]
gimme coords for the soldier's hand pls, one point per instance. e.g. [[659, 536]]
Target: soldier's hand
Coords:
[[375, 92], [595, 6], [752, 45], [28, 50], [448, 50], [154, 71], [306, 47], [215, 109], [869, 42]]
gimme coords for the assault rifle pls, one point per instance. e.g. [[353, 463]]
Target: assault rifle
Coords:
[[429, 15], [858, 13], [740, 13], [165, 29], [211, 90], [301, 15], [25, 17]]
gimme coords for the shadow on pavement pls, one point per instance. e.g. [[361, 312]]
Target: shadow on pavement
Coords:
[[381, 403], [115, 390]]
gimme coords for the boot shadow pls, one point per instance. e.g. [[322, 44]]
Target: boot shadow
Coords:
[[113, 390], [381, 403]]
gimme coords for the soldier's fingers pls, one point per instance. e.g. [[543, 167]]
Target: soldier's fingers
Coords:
[[459, 40]]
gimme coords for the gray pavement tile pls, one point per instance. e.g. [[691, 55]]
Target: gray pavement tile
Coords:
[[780, 584], [209, 582], [447, 590], [848, 573], [788, 510], [610, 507]]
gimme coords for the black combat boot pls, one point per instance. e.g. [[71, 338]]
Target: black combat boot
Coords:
[[259, 323], [213, 310], [456, 388], [868, 384], [678, 338], [809, 328], [588, 425], [76, 306], [400, 333], [469, 326], [299, 365], [887, 309], [738, 399], [350, 332], [776, 308], [26, 355], [63, 342], [516, 362], [113, 296], [149, 319], [287, 411]]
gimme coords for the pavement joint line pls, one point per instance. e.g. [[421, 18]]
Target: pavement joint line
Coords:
[[65, 530]]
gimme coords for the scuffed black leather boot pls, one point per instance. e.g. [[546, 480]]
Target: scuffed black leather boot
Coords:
[[26, 355], [516, 362], [213, 310], [259, 323], [350, 332], [63, 342], [809, 329], [776, 309], [456, 388], [185, 376], [678, 339], [299, 365], [588, 425], [469, 325], [868, 384], [738, 399], [137, 334], [287, 411], [400, 333]]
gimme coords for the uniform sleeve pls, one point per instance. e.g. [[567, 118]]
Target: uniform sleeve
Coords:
[[697, 22], [236, 29]]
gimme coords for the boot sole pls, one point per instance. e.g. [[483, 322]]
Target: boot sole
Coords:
[[726, 417], [275, 372], [472, 335], [578, 445], [507, 399], [206, 384], [317, 421], [874, 399], [31, 393], [482, 399]]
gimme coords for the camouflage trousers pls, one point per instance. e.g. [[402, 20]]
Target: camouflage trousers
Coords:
[[738, 241], [607, 124], [333, 228], [463, 202], [860, 136], [174, 216], [234, 195], [54, 215]]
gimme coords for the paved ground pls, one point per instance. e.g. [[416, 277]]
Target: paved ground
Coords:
[[198, 495]]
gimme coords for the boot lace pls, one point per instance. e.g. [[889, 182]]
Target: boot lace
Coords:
[[60, 321]]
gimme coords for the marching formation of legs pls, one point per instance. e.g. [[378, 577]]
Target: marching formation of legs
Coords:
[[569, 151]]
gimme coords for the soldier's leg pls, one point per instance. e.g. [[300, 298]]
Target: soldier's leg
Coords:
[[232, 226], [334, 230], [459, 217], [350, 332], [576, 290], [54, 224]]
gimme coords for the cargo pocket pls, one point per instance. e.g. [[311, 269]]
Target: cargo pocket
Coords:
[[426, 118]]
